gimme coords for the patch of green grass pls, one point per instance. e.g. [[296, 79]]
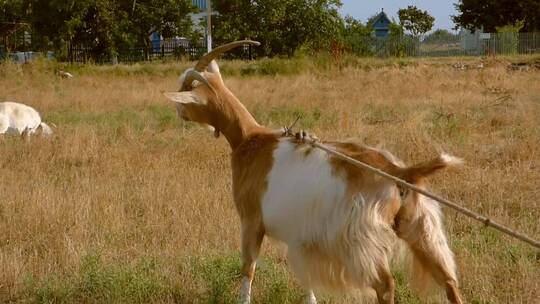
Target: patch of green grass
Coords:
[[163, 116], [380, 114], [403, 293], [448, 126], [220, 278], [275, 66], [100, 282], [117, 122], [71, 116], [479, 240], [207, 279], [284, 116]]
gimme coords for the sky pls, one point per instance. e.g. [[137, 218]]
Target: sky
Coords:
[[439, 9]]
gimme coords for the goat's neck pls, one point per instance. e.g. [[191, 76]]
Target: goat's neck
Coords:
[[234, 120]]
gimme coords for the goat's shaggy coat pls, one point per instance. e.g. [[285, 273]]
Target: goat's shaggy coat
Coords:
[[339, 222], [20, 119]]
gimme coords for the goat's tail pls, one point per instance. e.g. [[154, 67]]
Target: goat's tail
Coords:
[[419, 172], [419, 223]]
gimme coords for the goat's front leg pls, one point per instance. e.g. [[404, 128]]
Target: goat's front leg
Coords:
[[310, 299], [252, 236]]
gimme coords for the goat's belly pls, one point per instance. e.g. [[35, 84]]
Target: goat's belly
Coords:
[[302, 197]]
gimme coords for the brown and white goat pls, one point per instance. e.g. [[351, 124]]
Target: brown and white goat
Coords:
[[338, 221]]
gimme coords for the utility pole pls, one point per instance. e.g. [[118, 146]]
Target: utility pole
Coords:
[[209, 25]]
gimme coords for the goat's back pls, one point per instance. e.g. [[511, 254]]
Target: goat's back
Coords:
[[18, 117]]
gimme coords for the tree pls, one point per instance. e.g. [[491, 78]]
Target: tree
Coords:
[[440, 35], [415, 20], [93, 24], [490, 14], [103, 26], [142, 17], [282, 26], [12, 21], [11, 13], [357, 37]]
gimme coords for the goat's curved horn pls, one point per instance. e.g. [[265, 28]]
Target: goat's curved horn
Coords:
[[206, 59], [192, 75]]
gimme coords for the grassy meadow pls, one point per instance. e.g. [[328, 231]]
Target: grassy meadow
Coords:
[[128, 204]]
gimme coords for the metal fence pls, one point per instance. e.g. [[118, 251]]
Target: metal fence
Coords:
[[164, 50], [463, 44]]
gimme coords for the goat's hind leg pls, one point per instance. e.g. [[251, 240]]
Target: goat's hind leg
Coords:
[[430, 260], [385, 286], [252, 236], [431, 253]]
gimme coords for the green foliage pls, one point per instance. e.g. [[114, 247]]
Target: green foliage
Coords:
[[490, 14], [167, 17], [102, 26], [397, 44], [274, 66], [12, 25], [440, 35], [511, 28], [357, 38], [415, 20], [508, 37], [282, 26]]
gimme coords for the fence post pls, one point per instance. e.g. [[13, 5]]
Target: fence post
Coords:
[[162, 50]]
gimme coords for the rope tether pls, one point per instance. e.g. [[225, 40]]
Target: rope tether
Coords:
[[488, 222]]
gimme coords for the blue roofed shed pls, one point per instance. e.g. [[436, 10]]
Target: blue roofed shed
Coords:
[[381, 25], [201, 4]]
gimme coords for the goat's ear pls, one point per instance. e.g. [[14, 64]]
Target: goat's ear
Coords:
[[186, 97]]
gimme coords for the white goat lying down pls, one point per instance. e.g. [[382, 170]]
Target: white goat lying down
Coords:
[[338, 221], [20, 119]]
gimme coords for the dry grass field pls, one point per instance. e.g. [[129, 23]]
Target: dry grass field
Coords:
[[127, 204]]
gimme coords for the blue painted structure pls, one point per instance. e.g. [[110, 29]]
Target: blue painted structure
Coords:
[[155, 38], [381, 25], [201, 4]]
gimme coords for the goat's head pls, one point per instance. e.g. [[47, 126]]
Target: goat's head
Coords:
[[203, 98]]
